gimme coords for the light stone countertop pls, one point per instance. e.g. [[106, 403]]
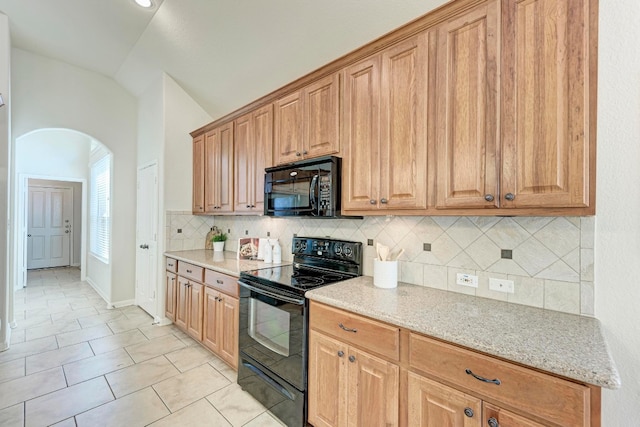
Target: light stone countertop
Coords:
[[564, 344], [225, 262]]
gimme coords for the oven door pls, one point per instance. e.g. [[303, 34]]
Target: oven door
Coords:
[[273, 333]]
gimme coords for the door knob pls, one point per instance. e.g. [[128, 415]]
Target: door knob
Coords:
[[144, 246], [66, 231], [28, 235]]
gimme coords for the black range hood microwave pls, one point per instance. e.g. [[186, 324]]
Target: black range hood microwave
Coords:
[[309, 188]]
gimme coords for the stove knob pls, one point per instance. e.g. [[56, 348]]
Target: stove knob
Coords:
[[347, 251], [303, 245], [338, 249]]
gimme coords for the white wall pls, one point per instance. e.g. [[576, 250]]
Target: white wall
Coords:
[[166, 115], [52, 94], [6, 290], [617, 239]]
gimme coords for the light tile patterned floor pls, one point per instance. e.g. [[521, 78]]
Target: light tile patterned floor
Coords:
[[72, 362]]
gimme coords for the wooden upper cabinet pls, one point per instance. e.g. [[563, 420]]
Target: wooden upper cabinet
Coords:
[[218, 154], [198, 175], [385, 128], [548, 101], [361, 130], [467, 109], [253, 145], [307, 122]]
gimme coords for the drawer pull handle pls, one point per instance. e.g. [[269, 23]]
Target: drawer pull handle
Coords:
[[468, 412], [493, 422], [347, 329], [479, 378]]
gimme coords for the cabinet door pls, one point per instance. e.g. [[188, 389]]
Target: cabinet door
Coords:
[[224, 177], [288, 130], [403, 125], [360, 138], [262, 150], [211, 168], [432, 404], [182, 303], [505, 418], [327, 394], [195, 311], [210, 336], [171, 291], [546, 141], [228, 329], [243, 167], [198, 175], [467, 117], [321, 117], [373, 390]]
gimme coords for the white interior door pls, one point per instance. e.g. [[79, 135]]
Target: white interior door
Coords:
[[49, 219], [146, 239]]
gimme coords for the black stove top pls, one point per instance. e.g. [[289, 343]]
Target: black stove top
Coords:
[[317, 262]]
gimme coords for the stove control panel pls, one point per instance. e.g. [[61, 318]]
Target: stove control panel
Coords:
[[327, 248]]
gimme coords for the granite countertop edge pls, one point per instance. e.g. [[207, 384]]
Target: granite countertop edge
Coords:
[[564, 344], [226, 262]]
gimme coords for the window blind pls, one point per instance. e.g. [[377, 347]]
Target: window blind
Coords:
[[100, 209]]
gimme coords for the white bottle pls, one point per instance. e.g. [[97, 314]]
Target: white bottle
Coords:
[[277, 251], [268, 252]]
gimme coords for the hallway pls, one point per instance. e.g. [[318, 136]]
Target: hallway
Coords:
[[72, 362]]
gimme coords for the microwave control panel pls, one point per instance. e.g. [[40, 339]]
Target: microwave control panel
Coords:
[[324, 193]]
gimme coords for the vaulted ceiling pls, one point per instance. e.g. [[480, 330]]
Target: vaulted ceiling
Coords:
[[224, 53]]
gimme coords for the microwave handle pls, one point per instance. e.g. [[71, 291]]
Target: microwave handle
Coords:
[[313, 193]]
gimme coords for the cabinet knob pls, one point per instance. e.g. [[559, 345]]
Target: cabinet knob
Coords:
[[248, 206], [373, 201], [352, 359], [510, 196], [298, 153], [216, 298], [468, 412], [340, 353], [492, 422], [383, 200], [488, 197], [304, 152]]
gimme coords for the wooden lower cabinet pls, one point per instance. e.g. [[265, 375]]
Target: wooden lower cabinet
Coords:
[[431, 404], [208, 311], [415, 380], [221, 321], [188, 313], [171, 288], [348, 386]]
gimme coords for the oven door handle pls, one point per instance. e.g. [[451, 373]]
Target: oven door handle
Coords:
[[271, 294]]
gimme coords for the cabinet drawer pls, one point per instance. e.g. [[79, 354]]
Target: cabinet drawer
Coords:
[[190, 271], [222, 282], [171, 265], [557, 400], [357, 330]]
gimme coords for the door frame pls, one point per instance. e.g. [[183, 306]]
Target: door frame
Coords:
[[20, 228]]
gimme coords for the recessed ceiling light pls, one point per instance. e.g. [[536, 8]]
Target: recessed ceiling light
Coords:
[[144, 3]]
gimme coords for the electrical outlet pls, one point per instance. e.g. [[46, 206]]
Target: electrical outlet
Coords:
[[467, 280], [501, 285]]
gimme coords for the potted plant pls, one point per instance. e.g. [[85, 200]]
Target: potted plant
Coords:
[[218, 241]]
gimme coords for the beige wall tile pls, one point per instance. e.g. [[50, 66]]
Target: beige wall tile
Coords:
[[527, 291], [562, 296]]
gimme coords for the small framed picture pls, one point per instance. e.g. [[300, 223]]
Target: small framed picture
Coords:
[[248, 247]]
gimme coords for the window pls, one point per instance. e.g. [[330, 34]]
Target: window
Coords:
[[100, 208]]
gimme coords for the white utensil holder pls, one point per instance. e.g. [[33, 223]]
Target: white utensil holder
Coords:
[[385, 274]]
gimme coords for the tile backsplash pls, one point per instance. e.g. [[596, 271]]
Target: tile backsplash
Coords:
[[551, 260]]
